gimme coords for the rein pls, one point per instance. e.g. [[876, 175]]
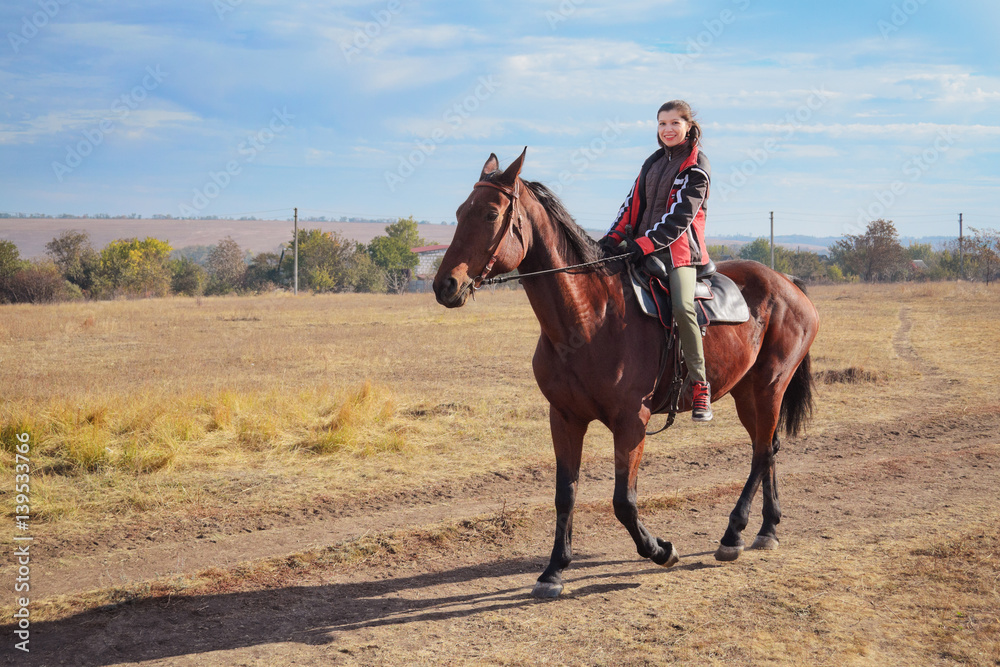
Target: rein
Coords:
[[502, 279], [514, 194], [672, 399]]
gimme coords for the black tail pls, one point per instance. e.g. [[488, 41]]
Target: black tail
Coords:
[[797, 404], [798, 283]]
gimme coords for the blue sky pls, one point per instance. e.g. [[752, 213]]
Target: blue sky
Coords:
[[826, 113]]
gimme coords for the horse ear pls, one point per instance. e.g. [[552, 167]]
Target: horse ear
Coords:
[[491, 165], [512, 172]]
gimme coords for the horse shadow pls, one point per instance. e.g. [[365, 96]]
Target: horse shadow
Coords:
[[170, 627]]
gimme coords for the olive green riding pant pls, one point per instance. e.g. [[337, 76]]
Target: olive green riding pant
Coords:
[[682, 282]]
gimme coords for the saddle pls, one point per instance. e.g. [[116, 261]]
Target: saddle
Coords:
[[717, 299]]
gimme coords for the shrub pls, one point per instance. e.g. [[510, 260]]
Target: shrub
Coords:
[[874, 255], [187, 277], [75, 257], [10, 259], [393, 253], [330, 263], [10, 263], [39, 282], [133, 268], [264, 273], [364, 275], [226, 267], [319, 280], [760, 251]]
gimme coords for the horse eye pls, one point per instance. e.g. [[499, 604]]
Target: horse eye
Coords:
[[492, 216]]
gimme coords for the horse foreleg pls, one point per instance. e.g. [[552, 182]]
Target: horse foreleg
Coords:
[[567, 439], [629, 442]]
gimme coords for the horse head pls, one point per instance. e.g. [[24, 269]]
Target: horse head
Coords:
[[492, 235]]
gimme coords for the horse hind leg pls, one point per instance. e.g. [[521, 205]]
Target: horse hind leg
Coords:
[[731, 545], [759, 414], [767, 538], [794, 407]]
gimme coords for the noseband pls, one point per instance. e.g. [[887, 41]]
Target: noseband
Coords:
[[514, 193]]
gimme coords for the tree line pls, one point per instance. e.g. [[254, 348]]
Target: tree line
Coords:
[[878, 256], [134, 268], [328, 262]]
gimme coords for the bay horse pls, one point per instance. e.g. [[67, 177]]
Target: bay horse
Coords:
[[596, 357]]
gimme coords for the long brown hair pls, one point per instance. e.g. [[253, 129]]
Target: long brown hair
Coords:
[[684, 109]]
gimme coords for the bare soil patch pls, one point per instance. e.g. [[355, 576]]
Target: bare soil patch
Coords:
[[852, 375]]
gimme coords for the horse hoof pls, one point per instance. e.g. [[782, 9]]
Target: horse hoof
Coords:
[[545, 590], [725, 553], [672, 556], [765, 543]]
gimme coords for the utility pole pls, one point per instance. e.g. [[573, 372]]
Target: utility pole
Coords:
[[961, 249], [296, 261], [772, 239]]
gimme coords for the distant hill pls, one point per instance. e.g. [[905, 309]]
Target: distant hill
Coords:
[[814, 244], [817, 244], [31, 234], [821, 244]]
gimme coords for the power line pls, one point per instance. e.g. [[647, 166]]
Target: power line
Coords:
[[233, 215]]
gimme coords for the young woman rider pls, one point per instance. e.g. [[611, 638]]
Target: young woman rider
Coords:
[[665, 213]]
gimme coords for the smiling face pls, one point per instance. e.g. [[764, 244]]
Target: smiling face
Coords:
[[672, 128]]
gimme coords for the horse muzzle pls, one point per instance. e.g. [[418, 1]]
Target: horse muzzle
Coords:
[[451, 293]]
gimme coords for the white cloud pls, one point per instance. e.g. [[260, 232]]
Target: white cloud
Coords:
[[121, 37], [135, 124], [396, 74], [810, 151], [359, 41], [559, 13], [868, 130], [952, 87]]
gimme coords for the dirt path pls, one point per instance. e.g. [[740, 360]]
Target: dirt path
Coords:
[[856, 493], [661, 474], [863, 490]]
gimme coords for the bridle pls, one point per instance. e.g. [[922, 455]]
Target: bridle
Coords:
[[514, 194]]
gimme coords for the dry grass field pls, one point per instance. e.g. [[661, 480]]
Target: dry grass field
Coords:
[[358, 479]]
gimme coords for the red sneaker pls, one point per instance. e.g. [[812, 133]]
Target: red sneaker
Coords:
[[701, 410]]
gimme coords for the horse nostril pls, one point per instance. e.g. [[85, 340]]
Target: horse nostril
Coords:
[[450, 291]]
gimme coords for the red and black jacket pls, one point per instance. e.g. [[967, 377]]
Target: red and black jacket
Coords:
[[682, 228]]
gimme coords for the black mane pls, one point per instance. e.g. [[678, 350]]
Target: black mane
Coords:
[[577, 241]]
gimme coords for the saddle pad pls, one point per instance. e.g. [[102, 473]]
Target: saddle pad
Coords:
[[727, 305], [718, 300], [647, 303]]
